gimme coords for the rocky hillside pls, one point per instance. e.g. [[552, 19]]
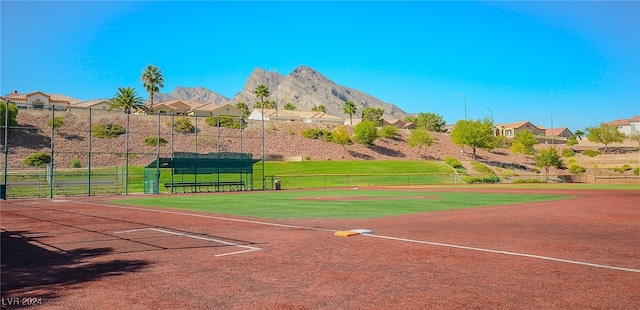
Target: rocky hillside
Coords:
[[304, 88], [283, 141]]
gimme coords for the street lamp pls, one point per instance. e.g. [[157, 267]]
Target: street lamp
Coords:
[[552, 133], [276, 76], [465, 105], [491, 111]]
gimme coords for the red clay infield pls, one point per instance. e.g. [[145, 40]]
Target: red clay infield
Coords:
[[90, 254]]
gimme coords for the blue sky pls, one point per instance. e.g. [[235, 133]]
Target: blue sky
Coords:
[[578, 61]]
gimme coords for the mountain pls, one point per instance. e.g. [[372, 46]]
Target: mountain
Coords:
[[199, 94], [304, 88]]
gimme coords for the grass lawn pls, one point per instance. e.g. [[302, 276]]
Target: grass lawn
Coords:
[[284, 205]]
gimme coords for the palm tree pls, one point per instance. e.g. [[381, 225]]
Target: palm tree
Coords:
[[349, 108], [127, 100], [261, 92], [319, 108], [152, 80]]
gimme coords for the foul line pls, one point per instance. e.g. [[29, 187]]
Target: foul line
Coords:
[[505, 253], [249, 248], [378, 236]]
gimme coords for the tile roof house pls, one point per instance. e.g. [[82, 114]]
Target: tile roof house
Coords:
[[558, 132], [95, 104], [301, 116], [627, 125], [510, 130], [38, 100], [195, 108]]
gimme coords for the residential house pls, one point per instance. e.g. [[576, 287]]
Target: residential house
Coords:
[[510, 130], [301, 116], [212, 109], [95, 104], [562, 132], [176, 107], [38, 100], [398, 123], [628, 125]]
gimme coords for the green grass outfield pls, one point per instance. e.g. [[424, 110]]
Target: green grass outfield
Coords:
[[285, 205]]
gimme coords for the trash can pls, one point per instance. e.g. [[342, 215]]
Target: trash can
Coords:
[[3, 191], [278, 185], [154, 186]]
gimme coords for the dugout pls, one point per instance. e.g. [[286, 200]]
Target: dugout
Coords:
[[193, 172]]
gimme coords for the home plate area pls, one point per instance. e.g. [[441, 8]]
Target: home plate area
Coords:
[[162, 238]]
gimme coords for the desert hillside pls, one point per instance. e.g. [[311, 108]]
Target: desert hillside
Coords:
[[283, 141]]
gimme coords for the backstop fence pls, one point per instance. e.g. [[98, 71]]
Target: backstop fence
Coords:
[[100, 152]]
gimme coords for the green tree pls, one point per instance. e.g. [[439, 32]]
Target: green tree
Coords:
[[373, 114], [420, 137], [38, 159], [605, 134], [56, 123], [366, 132], [152, 81], [579, 134], [12, 120], [243, 108], [349, 108], [126, 99], [319, 108], [524, 142], [289, 106], [341, 136], [411, 119], [475, 134], [430, 122], [548, 158], [389, 132]]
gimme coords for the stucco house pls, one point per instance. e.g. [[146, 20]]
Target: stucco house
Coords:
[[510, 130], [300, 116], [628, 125], [212, 109], [176, 107], [562, 132], [95, 104], [38, 100]]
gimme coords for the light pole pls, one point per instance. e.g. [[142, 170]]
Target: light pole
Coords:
[[552, 133], [491, 111], [276, 76], [465, 105]]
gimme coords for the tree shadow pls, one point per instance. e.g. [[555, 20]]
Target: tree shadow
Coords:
[[73, 137], [360, 155], [29, 270], [386, 151], [30, 138]]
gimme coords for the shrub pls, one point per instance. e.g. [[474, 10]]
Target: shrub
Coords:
[[76, 163], [453, 162], [484, 179], [316, 134], [480, 167], [225, 121], [568, 152], [56, 122], [182, 125], [389, 132], [622, 169], [572, 141], [107, 130], [528, 181], [366, 132], [591, 153], [154, 141], [37, 159], [636, 171], [576, 169]]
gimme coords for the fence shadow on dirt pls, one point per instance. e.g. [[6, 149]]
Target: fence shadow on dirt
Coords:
[[31, 270]]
